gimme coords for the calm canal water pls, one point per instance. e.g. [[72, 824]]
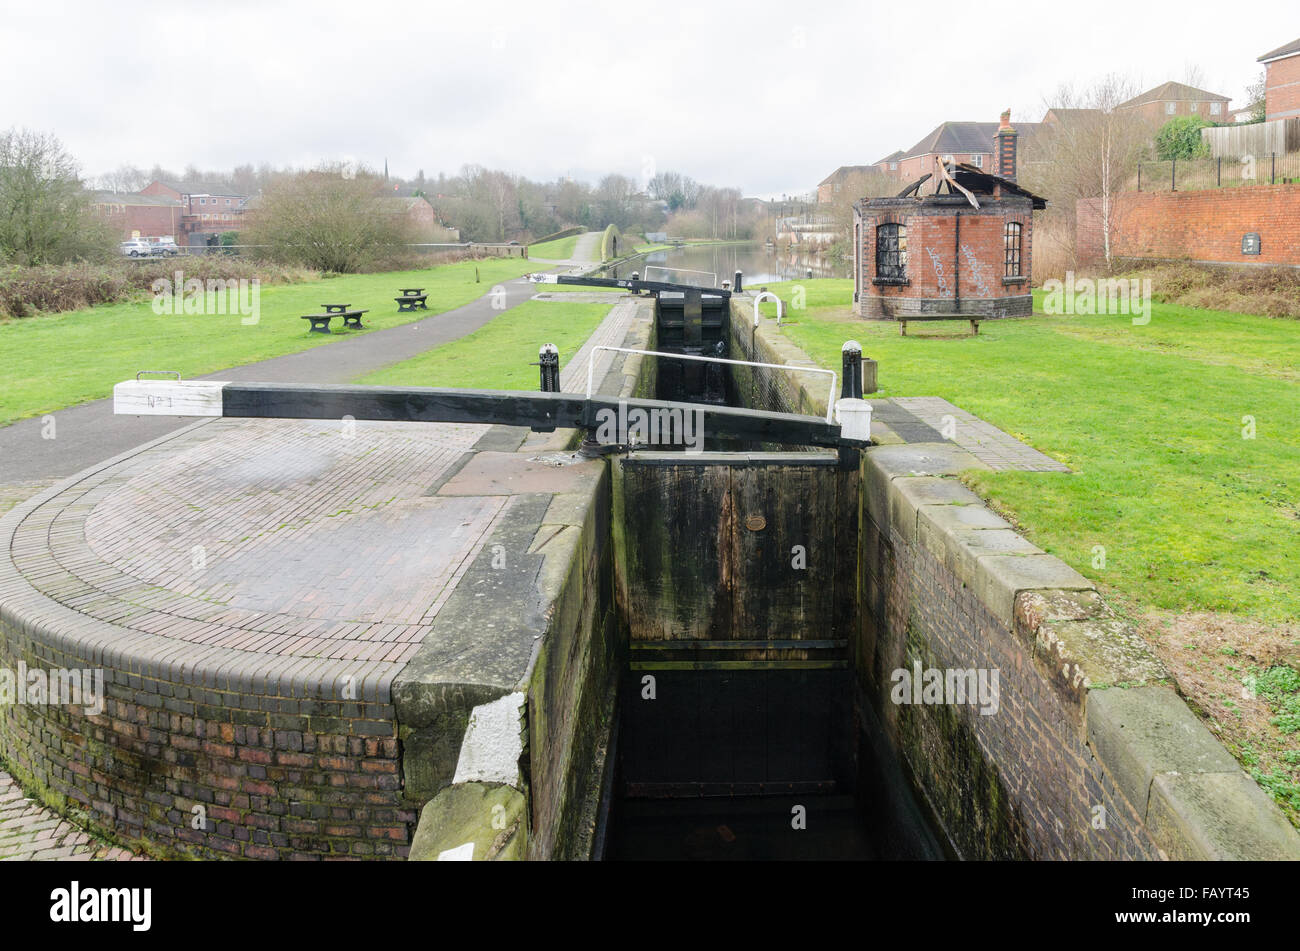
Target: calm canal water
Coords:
[[759, 264]]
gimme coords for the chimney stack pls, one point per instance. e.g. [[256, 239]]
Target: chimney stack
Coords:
[[1006, 148]]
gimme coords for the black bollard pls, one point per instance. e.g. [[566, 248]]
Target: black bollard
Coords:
[[548, 358], [851, 358], [739, 284]]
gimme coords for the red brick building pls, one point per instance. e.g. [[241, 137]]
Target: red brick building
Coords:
[[138, 215], [938, 250], [1172, 99], [209, 209], [1282, 82], [828, 189]]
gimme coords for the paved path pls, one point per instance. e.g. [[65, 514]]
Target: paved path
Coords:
[[90, 433], [30, 831], [998, 449], [586, 254]]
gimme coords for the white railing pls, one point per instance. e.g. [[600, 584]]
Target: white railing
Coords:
[[830, 397]]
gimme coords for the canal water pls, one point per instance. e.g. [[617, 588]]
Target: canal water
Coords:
[[759, 264], [737, 761]]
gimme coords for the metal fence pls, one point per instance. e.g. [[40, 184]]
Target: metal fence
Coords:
[[1273, 168]]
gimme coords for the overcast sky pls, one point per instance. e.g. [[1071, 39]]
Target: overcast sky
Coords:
[[768, 97]]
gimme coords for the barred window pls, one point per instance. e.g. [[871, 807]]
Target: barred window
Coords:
[[1011, 244], [891, 252]]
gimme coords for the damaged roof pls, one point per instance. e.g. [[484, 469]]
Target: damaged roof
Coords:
[[976, 181]]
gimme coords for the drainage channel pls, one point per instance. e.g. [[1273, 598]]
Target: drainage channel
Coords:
[[741, 734]]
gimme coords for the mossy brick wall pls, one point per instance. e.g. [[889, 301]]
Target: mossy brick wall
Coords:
[[279, 776], [1020, 783]]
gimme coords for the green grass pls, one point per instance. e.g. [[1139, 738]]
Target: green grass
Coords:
[[64, 359], [560, 249], [1150, 418], [499, 354]]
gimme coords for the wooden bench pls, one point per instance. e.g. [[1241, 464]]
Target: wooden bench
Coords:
[[335, 308], [411, 302], [974, 321]]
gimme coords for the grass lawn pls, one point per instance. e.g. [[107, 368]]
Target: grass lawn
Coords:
[[1192, 515], [560, 249], [69, 358], [498, 356], [1200, 526]]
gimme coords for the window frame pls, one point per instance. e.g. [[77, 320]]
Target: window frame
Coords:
[[1013, 243], [891, 253]]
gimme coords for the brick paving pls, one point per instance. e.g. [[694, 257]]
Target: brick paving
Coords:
[[28, 830], [999, 450]]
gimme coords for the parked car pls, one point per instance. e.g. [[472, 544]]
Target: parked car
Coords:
[[165, 248], [135, 248]]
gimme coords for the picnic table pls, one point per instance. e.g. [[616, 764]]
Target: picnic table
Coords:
[[320, 323], [412, 297]]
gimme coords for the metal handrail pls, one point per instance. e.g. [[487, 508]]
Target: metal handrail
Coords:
[[591, 369], [768, 295]]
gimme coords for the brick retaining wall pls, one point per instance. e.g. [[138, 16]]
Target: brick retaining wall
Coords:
[[1204, 226]]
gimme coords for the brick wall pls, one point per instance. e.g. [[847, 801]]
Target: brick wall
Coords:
[[1205, 225], [946, 274], [278, 775], [1282, 88], [1021, 784], [149, 221]]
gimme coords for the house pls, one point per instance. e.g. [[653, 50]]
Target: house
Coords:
[[828, 189], [1171, 99], [209, 208], [1282, 82], [889, 164], [969, 143], [957, 242], [1056, 116], [139, 216]]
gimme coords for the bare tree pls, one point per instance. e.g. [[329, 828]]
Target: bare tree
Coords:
[[329, 219], [45, 214], [123, 179], [1090, 153]]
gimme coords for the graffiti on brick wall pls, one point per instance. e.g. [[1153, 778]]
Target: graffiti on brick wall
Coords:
[[977, 271], [939, 274]]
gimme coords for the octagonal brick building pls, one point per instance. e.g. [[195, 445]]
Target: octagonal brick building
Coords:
[[955, 242]]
